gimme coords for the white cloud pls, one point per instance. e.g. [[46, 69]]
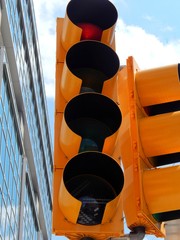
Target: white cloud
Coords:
[[46, 14], [146, 48], [50, 89]]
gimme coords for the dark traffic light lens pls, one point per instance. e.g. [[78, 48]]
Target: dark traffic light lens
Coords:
[[94, 117], [93, 62], [95, 179], [100, 13]]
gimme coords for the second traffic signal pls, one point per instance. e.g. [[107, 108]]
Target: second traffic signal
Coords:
[[150, 105]]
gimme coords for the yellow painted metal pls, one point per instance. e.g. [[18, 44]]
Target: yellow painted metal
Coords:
[[133, 158], [148, 190], [110, 144], [158, 85], [71, 85], [71, 33], [160, 134], [60, 51], [162, 189], [110, 87], [62, 226], [60, 158], [108, 36], [67, 35], [69, 205], [101, 71], [68, 140], [60, 102], [111, 209]]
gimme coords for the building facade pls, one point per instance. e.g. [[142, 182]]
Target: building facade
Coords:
[[26, 162]]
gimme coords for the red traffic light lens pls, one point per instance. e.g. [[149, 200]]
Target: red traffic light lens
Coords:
[[90, 31]]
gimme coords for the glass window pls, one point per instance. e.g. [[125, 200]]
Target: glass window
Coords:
[[10, 189], [29, 222], [24, 35]]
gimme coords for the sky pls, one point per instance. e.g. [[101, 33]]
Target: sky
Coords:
[[147, 30]]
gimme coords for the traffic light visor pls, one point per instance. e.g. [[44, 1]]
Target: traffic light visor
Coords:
[[89, 20], [94, 117], [89, 64], [98, 12], [94, 179]]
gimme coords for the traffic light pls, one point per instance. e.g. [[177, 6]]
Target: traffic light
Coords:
[[150, 145], [88, 178]]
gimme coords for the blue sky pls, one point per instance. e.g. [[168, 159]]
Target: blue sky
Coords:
[[147, 30]]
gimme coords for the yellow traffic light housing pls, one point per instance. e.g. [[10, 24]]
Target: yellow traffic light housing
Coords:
[[88, 179], [150, 105]]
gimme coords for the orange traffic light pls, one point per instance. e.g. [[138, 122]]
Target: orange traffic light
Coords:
[[88, 179], [150, 105]]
